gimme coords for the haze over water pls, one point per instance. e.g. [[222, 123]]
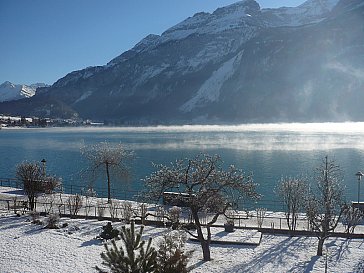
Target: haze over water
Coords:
[[270, 151]]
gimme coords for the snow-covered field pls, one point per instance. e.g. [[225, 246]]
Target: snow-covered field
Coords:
[[27, 247]]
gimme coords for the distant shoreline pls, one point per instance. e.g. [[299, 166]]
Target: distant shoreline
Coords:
[[332, 127]]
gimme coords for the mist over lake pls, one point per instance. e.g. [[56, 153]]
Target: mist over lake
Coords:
[[270, 151]]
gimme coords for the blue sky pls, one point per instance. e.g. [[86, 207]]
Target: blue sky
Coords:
[[43, 40]]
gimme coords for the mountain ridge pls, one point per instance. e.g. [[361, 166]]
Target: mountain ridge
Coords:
[[10, 91], [237, 64]]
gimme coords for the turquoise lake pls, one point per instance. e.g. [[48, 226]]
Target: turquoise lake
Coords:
[[269, 151]]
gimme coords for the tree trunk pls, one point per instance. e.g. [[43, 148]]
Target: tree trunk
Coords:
[[31, 202], [205, 244], [288, 221], [108, 183], [320, 246], [206, 250]]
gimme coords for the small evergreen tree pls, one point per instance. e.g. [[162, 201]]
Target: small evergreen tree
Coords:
[[108, 232], [132, 256], [171, 257]]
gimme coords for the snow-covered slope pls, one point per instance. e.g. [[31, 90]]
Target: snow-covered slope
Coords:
[[10, 91], [210, 89]]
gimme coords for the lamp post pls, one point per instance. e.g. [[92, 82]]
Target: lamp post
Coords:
[[359, 175], [43, 167]]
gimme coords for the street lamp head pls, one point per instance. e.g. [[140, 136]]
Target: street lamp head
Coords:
[[359, 175]]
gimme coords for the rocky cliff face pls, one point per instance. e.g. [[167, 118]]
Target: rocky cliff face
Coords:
[[238, 64]]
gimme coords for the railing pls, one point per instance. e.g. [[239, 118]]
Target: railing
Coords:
[[126, 194], [78, 189], [10, 182], [247, 218], [156, 215], [91, 207], [100, 192], [120, 209]]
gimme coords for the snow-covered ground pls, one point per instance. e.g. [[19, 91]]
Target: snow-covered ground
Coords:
[[27, 247]]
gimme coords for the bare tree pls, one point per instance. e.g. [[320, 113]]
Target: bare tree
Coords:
[[30, 174], [51, 183], [34, 181], [351, 218], [203, 185], [293, 192], [325, 204], [110, 159], [74, 203], [260, 216]]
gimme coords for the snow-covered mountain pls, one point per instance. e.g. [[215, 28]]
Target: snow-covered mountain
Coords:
[[240, 63], [10, 91], [311, 11]]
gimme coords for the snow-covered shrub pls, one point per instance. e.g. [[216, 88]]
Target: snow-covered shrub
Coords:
[[114, 206], [100, 209], [89, 194], [351, 217], [141, 212], [50, 184], [174, 214], [35, 217], [171, 257], [74, 204], [127, 211], [260, 216], [160, 213], [229, 217], [61, 205], [293, 192], [15, 207], [108, 232], [52, 221], [48, 203]]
